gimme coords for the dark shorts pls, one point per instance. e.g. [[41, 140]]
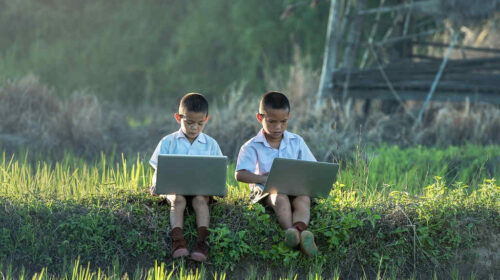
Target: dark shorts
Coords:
[[189, 200], [266, 202]]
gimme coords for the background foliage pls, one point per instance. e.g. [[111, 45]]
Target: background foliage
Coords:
[[142, 52]]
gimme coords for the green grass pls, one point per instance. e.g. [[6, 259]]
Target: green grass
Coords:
[[373, 223], [391, 168]]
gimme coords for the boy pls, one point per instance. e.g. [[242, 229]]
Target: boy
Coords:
[[188, 140], [254, 163]]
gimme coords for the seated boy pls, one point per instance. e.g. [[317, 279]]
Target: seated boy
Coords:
[[254, 163], [188, 140]]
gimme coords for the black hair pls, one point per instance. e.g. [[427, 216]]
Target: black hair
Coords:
[[274, 100], [193, 102]]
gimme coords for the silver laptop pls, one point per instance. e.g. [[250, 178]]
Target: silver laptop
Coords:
[[300, 177], [191, 175]]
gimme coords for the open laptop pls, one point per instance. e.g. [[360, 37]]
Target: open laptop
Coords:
[[300, 177], [191, 175]]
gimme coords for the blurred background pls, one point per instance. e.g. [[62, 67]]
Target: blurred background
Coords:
[[106, 75]]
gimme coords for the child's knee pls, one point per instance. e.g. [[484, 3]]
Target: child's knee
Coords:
[[304, 201], [279, 199], [177, 200], [200, 200], [282, 198]]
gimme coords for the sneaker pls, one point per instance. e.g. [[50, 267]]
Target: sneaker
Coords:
[[292, 238], [307, 244], [200, 251]]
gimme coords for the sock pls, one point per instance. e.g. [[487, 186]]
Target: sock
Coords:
[[300, 226]]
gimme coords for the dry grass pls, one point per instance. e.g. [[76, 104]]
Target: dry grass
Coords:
[[32, 116], [233, 121]]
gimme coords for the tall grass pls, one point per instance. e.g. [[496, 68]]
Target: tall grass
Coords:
[[54, 212], [388, 167], [70, 178], [78, 271]]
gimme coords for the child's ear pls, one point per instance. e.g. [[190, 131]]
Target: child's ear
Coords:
[[177, 117], [208, 117], [259, 117]]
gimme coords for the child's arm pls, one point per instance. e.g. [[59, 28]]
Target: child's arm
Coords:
[[247, 160], [246, 176]]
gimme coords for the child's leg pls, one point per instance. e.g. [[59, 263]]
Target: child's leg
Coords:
[[200, 205], [301, 209], [301, 216], [177, 206], [282, 209]]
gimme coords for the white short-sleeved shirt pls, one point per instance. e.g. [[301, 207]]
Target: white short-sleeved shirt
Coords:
[[177, 143], [257, 156]]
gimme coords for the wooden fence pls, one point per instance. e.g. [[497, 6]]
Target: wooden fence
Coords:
[[475, 79]]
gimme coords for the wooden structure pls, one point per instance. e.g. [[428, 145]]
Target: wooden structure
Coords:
[[381, 64], [475, 79]]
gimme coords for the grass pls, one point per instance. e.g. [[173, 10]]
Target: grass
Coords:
[[384, 218]]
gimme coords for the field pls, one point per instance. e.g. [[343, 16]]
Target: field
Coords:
[[88, 88], [393, 213]]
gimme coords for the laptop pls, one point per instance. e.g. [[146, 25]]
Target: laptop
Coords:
[[191, 175], [300, 177]]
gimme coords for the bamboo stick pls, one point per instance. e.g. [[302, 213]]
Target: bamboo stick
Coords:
[[438, 76]]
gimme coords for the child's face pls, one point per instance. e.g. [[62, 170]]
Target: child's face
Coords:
[[192, 123], [274, 122]]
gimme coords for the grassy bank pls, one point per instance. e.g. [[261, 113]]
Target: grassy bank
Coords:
[[388, 213]]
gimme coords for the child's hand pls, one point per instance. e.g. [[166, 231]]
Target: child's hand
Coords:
[[256, 190], [257, 193], [264, 178]]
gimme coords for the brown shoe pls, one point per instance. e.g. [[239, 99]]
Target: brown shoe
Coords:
[[200, 251], [179, 247]]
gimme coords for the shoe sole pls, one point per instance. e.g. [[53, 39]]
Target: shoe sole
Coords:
[[307, 243], [199, 257], [292, 238], [181, 252]]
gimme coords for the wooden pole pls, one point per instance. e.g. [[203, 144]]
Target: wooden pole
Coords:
[[330, 55], [351, 48], [421, 6], [371, 36], [438, 76]]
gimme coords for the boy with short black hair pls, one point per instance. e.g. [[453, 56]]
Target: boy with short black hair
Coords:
[[188, 140], [254, 163]]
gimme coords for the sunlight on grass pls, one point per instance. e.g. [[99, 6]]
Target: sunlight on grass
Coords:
[[52, 212]]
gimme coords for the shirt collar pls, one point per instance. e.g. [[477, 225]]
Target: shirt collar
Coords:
[[262, 138], [201, 137]]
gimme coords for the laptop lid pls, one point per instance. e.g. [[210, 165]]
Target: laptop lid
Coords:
[[191, 175], [300, 177]]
